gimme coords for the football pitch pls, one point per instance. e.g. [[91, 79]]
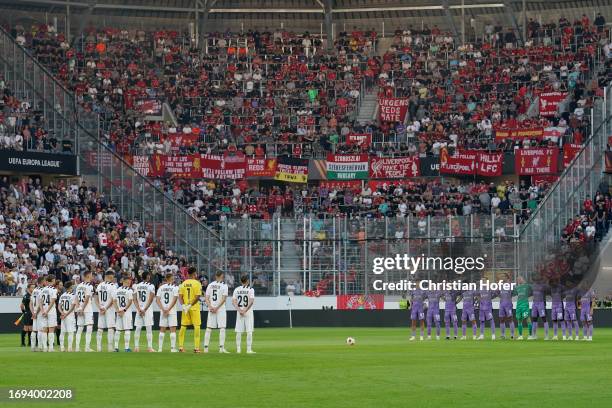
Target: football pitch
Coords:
[[313, 367]]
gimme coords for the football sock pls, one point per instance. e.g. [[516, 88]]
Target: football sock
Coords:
[[438, 328], [29, 338], [149, 330], [137, 337], [413, 331], [116, 339], [546, 329], [70, 340], [57, 335], [482, 327], [447, 329], [474, 328], [530, 326], [109, 338], [429, 328], [23, 337], [181, 336], [33, 340], [61, 341], [576, 327], [585, 330], [512, 328], [221, 338], [463, 329], [42, 340], [456, 328], [99, 339], [79, 333], [196, 337], [555, 328], [88, 333], [238, 341], [127, 334], [160, 340], [51, 339], [520, 327], [492, 324], [502, 326], [207, 337], [534, 328], [249, 341], [173, 340]]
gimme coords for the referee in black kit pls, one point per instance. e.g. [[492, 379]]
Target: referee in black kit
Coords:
[[26, 317]]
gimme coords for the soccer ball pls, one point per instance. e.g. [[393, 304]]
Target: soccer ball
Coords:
[[350, 341]]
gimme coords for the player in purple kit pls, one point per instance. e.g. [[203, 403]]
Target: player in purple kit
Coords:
[[433, 312], [417, 313], [450, 312], [505, 310], [467, 313], [569, 306], [538, 308], [556, 312], [485, 312], [587, 302]]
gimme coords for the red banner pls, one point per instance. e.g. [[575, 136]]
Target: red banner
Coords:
[[178, 140], [340, 184], [549, 102], [394, 167], [392, 109], [570, 151], [536, 161], [535, 180], [462, 162], [360, 302], [519, 133], [141, 164], [261, 167], [226, 167], [359, 139], [489, 164], [186, 166]]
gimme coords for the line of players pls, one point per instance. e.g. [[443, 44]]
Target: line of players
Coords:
[[565, 303], [74, 310]]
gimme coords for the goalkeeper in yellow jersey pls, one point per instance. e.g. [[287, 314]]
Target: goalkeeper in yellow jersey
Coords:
[[189, 296]]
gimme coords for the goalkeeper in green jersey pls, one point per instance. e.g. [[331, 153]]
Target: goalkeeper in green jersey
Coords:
[[522, 290]]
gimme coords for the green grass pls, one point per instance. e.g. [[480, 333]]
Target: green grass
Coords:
[[314, 368]]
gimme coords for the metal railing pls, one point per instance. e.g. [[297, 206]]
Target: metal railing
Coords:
[[540, 237], [136, 198]]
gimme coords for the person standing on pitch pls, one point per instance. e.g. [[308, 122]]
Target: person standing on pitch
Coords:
[[505, 310], [450, 313], [522, 291], [216, 295], [144, 293], [433, 313], [68, 321], [556, 311], [485, 312], [106, 309], [189, 296], [243, 300], [587, 303], [84, 311], [467, 313], [27, 316], [538, 309], [417, 313]]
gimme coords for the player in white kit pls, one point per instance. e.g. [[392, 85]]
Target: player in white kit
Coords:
[[48, 313], [106, 309], [84, 311], [123, 299], [34, 307], [243, 300], [167, 298], [67, 304], [216, 295], [144, 293]]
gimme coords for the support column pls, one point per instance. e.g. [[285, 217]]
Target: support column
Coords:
[[202, 10], [67, 21], [83, 20], [329, 24], [450, 21], [512, 18]]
